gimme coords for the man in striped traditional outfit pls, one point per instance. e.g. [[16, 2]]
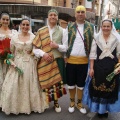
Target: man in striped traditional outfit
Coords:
[[50, 44], [80, 35]]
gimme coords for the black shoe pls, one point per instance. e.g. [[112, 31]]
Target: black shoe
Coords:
[[100, 115], [105, 115]]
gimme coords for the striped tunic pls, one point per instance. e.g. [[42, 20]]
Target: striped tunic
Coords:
[[48, 73]]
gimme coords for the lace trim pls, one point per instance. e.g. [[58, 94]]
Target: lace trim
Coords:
[[25, 112], [3, 36], [103, 101], [112, 45]]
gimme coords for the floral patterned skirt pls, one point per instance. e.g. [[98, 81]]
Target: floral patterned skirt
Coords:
[[101, 90], [99, 107]]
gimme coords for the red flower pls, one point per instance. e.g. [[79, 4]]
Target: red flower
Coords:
[[4, 47]]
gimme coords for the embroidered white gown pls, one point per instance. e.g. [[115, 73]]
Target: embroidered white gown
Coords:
[[22, 94], [4, 67]]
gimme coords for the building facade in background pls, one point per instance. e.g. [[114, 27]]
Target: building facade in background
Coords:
[[37, 10], [105, 9]]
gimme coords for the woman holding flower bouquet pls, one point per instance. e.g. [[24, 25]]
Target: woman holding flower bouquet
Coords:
[[5, 36], [21, 93], [102, 93]]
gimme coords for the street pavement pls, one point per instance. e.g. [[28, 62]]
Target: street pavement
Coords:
[[50, 114]]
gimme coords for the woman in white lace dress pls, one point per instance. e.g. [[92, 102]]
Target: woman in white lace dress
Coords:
[[22, 93], [5, 37]]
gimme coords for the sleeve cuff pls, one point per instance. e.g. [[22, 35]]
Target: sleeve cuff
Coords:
[[38, 53], [42, 53]]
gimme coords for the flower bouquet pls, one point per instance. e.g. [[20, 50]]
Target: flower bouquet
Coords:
[[4, 48], [6, 56], [115, 72]]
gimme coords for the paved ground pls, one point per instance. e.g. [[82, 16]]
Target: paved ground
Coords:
[[50, 114]]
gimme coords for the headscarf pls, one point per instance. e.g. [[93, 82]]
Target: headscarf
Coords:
[[53, 10], [113, 31], [103, 46], [80, 8]]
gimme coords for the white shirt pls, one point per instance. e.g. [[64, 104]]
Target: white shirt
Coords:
[[78, 45], [62, 48]]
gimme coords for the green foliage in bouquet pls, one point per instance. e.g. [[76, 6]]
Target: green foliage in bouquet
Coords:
[[9, 61]]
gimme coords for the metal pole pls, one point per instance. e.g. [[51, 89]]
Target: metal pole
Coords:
[[100, 18], [118, 8]]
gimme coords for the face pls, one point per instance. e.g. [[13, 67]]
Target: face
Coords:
[[5, 20], [25, 26], [106, 27], [80, 16], [52, 18]]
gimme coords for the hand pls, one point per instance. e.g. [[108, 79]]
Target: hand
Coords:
[[91, 73], [47, 57], [54, 45], [119, 71]]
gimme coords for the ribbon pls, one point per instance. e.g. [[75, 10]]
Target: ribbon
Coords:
[[9, 61]]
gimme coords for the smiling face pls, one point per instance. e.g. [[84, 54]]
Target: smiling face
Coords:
[[52, 18], [5, 20], [25, 26], [106, 27]]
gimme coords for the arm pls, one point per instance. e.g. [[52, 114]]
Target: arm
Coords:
[[40, 53], [64, 46], [91, 72], [118, 51], [93, 56], [12, 46]]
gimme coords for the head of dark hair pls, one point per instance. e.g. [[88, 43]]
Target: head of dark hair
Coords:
[[24, 19], [107, 21], [6, 13]]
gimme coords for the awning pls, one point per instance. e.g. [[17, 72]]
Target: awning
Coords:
[[71, 12], [41, 10]]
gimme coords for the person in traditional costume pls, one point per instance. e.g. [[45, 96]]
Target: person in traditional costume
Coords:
[[5, 36], [80, 36], [21, 93], [102, 89], [50, 44]]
